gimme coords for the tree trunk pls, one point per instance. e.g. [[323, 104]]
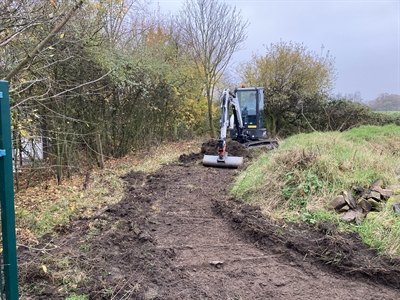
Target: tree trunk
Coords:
[[270, 122], [100, 151], [210, 118]]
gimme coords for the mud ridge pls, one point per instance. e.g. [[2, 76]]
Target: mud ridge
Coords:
[[342, 253]]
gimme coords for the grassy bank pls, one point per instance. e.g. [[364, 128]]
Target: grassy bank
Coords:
[[299, 180]]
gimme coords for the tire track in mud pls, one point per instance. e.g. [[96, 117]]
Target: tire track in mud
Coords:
[[210, 259]]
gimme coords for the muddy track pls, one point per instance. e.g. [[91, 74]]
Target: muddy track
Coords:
[[178, 234]]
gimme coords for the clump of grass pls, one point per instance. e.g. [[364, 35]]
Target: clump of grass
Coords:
[[299, 179], [381, 230], [78, 297]]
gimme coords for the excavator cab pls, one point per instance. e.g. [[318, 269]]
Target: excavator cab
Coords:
[[251, 102]]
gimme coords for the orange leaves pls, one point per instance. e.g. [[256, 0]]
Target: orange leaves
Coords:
[[156, 37], [53, 3]]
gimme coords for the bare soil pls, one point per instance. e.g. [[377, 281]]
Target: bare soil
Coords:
[[178, 234]]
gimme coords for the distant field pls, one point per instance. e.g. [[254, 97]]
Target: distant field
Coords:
[[391, 112]]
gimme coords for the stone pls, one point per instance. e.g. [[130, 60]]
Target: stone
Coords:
[[217, 263], [376, 183], [373, 195], [348, 197], [393, 187], [384, 193], [338, 203], [365, 205], [353, 215], [353, 203], [396, 208], [388, 193], [375, 204], [359, 190]]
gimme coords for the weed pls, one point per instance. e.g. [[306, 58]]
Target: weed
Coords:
[[108, 292], [84, 248], [297, 190], [337, 259], [63, 263], [150, 263], [78, 297], [119, 224], [308, 217]]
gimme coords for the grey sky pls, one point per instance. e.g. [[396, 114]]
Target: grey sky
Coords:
[[363, 36]]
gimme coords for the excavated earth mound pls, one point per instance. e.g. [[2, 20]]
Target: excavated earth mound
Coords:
[[232, 147], [178, 234]]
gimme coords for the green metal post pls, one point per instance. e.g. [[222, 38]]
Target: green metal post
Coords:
[[7, 197]]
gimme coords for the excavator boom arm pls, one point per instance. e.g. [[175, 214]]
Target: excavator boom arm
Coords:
[[223, 160], [228, 100]]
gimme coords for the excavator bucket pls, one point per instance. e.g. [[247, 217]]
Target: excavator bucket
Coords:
[[224, 162]]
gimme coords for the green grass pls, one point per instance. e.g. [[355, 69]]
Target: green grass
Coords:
[[78, 297], [298, 180], [382, 230]]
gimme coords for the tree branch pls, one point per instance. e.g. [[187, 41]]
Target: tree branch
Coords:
[[41, 45]]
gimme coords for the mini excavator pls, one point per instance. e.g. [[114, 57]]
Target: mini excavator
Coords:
[[246, 125]]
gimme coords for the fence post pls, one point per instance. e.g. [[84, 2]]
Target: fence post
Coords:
[[100, 151], [7, 197]]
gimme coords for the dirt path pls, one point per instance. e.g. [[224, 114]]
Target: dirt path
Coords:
[[209, 259], [177, 234]]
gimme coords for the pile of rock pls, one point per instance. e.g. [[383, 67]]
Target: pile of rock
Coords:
[[356, 204]]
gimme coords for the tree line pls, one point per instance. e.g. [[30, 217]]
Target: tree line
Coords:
[[386, 102], [94, 78], [89, 73]]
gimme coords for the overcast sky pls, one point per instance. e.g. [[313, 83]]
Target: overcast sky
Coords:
[[363, 36]]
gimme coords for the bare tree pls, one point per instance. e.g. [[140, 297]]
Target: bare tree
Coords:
[[212, 32]]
